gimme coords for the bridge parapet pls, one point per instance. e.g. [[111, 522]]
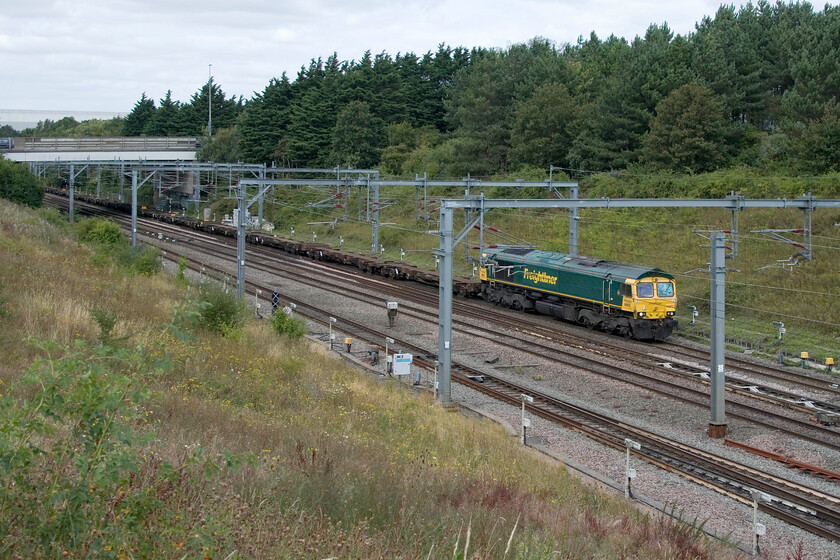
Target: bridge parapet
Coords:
[[109, 144]]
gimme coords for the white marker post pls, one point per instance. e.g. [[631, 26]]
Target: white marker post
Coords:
[[526, 422], [759, 529], [332, 336], [629, 473], [387, 355], [257, 306]]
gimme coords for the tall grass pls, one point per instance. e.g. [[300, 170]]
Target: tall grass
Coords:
[[259, 446]]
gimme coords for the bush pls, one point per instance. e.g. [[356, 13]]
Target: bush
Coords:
[[288, 324], [143, 259], [100, 231], [19, 185], [53, 217], [110, 243], [221, 312], [183, 263], [67, 455]]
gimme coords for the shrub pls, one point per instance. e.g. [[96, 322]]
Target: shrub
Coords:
[[80, 479], [100, 231], [110, 243], [19, 185], [53, 216], [182, 266], [288, 324], [67, 454], [221, 312], [143, 259]]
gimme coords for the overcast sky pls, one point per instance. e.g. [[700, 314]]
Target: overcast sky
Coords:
[[101, 55]]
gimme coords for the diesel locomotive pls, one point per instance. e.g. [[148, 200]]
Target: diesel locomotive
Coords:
[[628, 300]]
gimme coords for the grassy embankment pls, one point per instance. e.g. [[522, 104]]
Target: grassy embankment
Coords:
[[806, 297], [136, 433]]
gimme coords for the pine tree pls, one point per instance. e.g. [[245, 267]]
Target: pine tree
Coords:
[[265, 121], [139, 117], [687, 133]]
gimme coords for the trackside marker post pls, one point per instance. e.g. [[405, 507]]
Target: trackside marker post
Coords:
[[759, 529], [332, 336], [629, 473], [526, 422]]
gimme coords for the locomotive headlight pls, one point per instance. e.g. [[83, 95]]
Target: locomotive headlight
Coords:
[[670, 313], [641, 313]]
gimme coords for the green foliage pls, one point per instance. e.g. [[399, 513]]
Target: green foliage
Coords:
[[687, 133], [19, 185], [288, 324], [814, 148], [98, 127], [143, 260], [264, 120], [111, 245], [542, 127], [139, 117], [169, 119], [223, 147], [483, 101], [106, 320], [68, 455], [69, 127], [62, 127], [766, 76], [225, 110], [221, 312], [182, 266], [100, 231], [357, 136]]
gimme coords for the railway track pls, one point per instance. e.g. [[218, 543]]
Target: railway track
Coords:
[[537, 340], [807, 508]]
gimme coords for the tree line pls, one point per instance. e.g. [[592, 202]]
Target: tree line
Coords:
[[754, 86]]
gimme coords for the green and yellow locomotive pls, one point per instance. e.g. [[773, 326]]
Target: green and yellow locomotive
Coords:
[[629, 300]]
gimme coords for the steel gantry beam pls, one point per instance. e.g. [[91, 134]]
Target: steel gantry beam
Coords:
[[480, 204]]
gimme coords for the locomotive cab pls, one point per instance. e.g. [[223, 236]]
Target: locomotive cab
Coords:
[[649, 298]]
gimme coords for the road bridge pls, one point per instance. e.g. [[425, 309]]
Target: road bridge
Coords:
[[102, 148]]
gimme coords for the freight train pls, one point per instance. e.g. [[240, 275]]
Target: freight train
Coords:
[[461, 286], [628, 300]]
